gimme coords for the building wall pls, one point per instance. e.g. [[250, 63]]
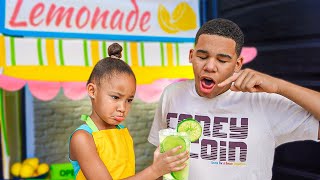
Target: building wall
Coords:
[[285, 33], [55, 120]]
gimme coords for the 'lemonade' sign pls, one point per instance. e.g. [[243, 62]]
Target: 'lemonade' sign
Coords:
[[146, 20]]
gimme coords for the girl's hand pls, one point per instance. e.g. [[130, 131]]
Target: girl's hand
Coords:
[[167, 162]]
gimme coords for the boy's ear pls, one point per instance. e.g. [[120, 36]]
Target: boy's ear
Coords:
[[91, 89], [239, 64], [190, 55]]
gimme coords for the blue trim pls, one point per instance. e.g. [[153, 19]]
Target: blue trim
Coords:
[[83, 127], [75, 164], [2, 14], [215, 8], [203, 10], [208, 10], [92, 36], [120, 126], [29, 116]]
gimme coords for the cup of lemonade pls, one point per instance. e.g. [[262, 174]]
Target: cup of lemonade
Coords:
[[188, 130], [169, 139]]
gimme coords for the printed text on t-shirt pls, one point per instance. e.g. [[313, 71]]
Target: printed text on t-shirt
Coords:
[[223, 138]]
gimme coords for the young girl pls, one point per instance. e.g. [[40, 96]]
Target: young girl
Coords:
[[102, 148]]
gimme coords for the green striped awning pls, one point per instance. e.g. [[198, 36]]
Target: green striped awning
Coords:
[[68, 60]]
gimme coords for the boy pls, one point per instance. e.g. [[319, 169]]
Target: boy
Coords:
[[245, 114]]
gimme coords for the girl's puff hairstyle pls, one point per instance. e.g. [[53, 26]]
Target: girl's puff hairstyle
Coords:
[[110, 66]]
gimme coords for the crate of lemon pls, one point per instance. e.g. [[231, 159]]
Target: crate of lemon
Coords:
[[30, 168]]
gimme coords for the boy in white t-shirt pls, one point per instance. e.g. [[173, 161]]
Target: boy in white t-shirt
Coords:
[[244, 114]]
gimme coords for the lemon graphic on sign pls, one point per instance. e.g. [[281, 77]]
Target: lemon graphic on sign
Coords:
[[164, 20], [183, 18]]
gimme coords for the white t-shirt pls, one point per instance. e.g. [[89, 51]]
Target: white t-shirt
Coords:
[[240, 130]]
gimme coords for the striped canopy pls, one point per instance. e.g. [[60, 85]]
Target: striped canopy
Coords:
[[47, 65]]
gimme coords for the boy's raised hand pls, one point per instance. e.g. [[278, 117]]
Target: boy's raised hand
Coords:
[[249, 80], [167, 162]]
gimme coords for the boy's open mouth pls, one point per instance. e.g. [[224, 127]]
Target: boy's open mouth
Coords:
[[206, 84]]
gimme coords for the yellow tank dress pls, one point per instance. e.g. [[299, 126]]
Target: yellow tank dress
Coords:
[[115, 148]]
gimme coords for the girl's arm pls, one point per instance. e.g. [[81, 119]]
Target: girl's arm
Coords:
[[83, 149]]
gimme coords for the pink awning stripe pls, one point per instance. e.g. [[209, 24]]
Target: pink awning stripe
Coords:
[[248, 54], [11, 84], [74, 90], [44, 91], [151, 92]]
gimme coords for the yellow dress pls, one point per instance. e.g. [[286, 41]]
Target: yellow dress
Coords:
[[115, 148]]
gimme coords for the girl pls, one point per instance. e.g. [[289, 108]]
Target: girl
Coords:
[[102, 148]]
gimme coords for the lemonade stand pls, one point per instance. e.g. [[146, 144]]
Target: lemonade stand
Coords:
[[52, 45]]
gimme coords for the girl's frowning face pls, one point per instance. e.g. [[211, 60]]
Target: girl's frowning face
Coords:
[[112, 99]]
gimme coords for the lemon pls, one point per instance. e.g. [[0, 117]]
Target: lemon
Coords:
[[15, 169], [26, 170], [192, 127], [43, 168], [184, 17], [35, 174], [164, 20], [34, 162]]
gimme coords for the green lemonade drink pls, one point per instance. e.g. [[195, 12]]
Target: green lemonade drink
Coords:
[[169, 139]]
